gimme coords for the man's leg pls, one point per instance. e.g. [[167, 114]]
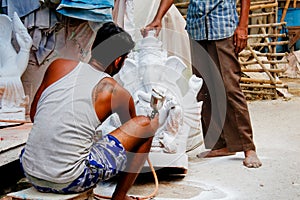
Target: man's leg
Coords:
[[136, 136], [237, 128], [213, 96]]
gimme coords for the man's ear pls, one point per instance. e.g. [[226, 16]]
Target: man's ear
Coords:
[[117, 61]]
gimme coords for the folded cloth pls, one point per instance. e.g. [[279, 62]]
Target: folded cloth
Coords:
[[21, 7], [90, 10]]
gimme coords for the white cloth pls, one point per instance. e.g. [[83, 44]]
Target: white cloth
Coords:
[[173, 34]]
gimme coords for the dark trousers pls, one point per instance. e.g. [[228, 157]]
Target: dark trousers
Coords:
[[225, 116]]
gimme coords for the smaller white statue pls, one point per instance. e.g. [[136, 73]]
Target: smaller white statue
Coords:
[[12, 66]]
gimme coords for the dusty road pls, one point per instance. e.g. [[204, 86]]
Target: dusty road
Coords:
[[276, 127]]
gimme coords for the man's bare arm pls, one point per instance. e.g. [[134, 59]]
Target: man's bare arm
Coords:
[[156, 23], [110, 97], [241, 32]]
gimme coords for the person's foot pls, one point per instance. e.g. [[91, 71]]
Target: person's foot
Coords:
[[251, 159], [215, 153]]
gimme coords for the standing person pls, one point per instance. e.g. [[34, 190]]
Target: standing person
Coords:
[[214, 25], [63, 153], [131, 16]]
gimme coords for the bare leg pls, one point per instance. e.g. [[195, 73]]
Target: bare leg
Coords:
[[251, 159], [136, 137]]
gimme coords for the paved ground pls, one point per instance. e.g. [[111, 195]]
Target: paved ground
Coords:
[[276, 126]]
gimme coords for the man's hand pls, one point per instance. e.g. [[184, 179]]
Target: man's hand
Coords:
[[154, 25], [240, 39], [241, 32]]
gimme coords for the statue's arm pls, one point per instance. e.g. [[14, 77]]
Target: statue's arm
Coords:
[[24, 41]]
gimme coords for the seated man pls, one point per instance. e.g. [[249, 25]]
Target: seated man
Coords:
[[63, 153]]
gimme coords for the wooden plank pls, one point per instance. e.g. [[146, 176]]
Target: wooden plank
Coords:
[[12, 141], [11, 155], [33, 194]]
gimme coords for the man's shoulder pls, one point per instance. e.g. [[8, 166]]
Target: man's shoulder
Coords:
[[107, 82], [59, 68], [61, 62]]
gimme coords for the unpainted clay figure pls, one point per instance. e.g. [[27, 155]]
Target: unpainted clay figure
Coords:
[[13, 63]]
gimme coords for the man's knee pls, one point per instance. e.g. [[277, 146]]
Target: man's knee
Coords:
[[141, 126], [142, 120]]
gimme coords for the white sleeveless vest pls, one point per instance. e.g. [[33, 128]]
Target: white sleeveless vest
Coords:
[[64, 127]]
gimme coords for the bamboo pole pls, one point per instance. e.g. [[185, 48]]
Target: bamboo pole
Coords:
[[261, 2], [272, 54], [261, 64], [264, 62], [265, 32], [265, 35], [182, 4], [262, 70], [286, 6], [266, 25], [269, 43], [259, 92], [261, 14], [262, 86], [263, 81], [261, 6]]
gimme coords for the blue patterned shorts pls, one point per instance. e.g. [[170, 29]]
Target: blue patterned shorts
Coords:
[[106, 159]]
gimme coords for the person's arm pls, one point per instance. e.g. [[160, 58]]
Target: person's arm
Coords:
[[110, 97], [156, 23], [123, 103], [241, 32]]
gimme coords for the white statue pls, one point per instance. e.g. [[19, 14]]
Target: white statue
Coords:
[[12, 66], [150, 72]]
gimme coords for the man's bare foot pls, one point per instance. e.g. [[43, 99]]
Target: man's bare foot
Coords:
[[251, 159], [215, 153]]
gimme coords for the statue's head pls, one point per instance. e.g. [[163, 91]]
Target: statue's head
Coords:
[[5, 28]]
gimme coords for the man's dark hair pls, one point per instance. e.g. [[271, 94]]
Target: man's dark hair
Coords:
[[111, 42]]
